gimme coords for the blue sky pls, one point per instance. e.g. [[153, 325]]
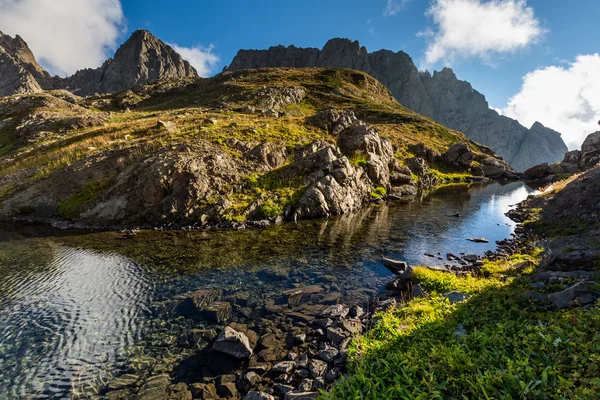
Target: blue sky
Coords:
[[494, 44]]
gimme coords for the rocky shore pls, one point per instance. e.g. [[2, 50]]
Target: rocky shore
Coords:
[[289, 346], [297, 344]]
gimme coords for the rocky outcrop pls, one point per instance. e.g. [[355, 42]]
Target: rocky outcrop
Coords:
[[142, 58], [573, 162], [44, 116], [14, 79], [440, 96]]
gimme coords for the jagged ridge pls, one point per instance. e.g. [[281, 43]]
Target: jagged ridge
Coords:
[[440, 96], [141, 59]]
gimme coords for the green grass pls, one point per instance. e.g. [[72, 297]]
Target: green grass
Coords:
[[378, 193], [512, 349], [71, 208], [359, 160], [445, 177]]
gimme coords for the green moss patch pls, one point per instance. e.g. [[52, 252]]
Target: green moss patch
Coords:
[[73, 206]]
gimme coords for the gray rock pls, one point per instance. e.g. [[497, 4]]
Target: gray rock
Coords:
[[460, 332], [284, 367], [328, 353], [577, 295], [332, 375], [456, 297], [258, 396], [418, 292], [233, 343], [317, 368], [335, 311], [459, 156], [301, 395], [397, 267], [305, 385]]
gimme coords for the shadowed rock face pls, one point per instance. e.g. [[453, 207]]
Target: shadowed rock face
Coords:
[[574, 161], [441, 96], [141, 59], [18, 68]]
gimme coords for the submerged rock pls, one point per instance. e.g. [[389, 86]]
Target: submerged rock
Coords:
[[233, 343]]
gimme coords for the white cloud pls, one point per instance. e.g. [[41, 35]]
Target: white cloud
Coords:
[[477, 28], [566, 99], [498, 110], [65, 35], [393, 7], [201, 58]]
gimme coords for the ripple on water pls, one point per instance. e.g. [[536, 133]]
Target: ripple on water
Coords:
[[67, 325]]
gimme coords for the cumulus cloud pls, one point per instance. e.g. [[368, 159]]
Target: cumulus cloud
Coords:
[[202, 58], [566, 99], [498, 110], [477, 28], [393, 7], [65, 35]]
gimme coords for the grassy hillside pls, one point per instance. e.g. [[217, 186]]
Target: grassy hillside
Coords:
[[226, 112]]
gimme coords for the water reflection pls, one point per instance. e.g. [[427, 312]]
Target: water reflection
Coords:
[[74, 305]]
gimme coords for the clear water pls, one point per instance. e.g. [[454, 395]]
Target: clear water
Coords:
[[77, 307]]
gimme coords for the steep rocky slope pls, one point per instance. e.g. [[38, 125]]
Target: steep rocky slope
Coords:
[[441, 96], [238, 148], [573, 162], [18, 68], [141, 59]]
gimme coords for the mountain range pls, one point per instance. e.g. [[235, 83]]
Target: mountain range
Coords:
[[141, 59], [442, 97]]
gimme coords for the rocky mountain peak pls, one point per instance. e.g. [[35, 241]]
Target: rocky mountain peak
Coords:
[[441, 96], [18, 67], [141, 59]]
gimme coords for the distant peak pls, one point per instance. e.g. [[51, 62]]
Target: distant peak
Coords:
[[446, 72], [537, 125], [342, 42]]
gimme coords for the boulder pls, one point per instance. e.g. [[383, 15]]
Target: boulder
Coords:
[[194, 303], [422, 151], [268, 155], [258, 396], [334, 121], [459, 156], [538, 172], [577, 295], [590, 151], [397, 267], [233, 343]]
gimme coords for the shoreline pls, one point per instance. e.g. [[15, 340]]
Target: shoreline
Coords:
[[318, 350], [65, 225]]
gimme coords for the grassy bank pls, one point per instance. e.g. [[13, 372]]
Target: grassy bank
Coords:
[[497, 344]]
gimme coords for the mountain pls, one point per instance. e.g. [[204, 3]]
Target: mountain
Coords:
[[441, 96], [18, 68], [141, 59]]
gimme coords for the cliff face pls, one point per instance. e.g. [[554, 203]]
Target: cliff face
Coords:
[[440, 96], [18, 68], [141, 59]]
